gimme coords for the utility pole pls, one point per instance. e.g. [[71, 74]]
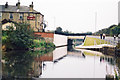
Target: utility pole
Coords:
[[95, 21], [54, 22]]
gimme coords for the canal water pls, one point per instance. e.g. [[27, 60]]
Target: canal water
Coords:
[[58, 63]]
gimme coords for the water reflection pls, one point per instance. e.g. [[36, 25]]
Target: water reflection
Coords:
[[59, 53], [110, 60], [28, 64], [17, 64], [59, 63], [78, 65], [22, 64]]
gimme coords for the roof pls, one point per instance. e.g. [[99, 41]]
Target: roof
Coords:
[[6, 21], [13, 8]]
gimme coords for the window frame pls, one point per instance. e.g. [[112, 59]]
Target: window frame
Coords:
[[21, 15], [0, 15], [11, 15], [7, 27]]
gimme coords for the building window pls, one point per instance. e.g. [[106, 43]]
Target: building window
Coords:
[[38, 22], [21, 16], [7, 27], [11, 16], [0, 15], [28, 14]]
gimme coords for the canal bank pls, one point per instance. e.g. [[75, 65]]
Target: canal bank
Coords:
[[96, 44]]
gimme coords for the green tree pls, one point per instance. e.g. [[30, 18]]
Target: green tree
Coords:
[[22, 37], [112, 30], [59, 29]]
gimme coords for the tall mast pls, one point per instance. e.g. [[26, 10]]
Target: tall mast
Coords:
[[95, 21]]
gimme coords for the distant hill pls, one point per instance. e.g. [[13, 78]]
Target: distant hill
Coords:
[[110, 31]]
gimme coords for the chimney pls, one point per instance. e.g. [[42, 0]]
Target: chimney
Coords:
[[6, 5], [31, 7], [18, 4]]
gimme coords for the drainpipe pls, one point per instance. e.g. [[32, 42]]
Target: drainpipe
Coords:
[[35, 20]]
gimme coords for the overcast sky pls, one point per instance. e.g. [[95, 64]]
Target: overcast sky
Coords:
[[75, 15]]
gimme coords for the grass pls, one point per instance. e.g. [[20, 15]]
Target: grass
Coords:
[[89, 41]]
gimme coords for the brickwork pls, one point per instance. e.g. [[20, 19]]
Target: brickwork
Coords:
[[45, 57], [49, 37], [45, 34]]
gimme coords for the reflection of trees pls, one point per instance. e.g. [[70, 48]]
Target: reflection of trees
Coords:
[[118, 64], [17, 63], [23, 64], [110, 60], [41, 52]]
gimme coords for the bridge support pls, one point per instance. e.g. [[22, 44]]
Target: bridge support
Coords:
[[70, 44]]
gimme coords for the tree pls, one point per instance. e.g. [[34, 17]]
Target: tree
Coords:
[[112, 30], [22, 37], [59, 29]]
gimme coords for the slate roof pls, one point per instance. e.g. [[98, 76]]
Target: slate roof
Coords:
[[13, 8]]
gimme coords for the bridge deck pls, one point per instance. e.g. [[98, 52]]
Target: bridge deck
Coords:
[[76, 37]]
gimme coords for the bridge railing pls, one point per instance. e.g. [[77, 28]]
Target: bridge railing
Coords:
[[112, 42]]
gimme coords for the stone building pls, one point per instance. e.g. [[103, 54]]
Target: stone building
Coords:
[[21, 14]]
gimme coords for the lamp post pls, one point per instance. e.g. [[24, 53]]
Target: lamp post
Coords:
[[95, 21]]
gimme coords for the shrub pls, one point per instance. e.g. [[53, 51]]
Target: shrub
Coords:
[[21, 38], [43, 44]]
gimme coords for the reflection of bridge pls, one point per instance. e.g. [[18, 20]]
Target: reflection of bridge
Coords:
[[57, 54]]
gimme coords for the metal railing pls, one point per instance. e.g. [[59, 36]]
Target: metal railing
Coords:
[[112, 42]]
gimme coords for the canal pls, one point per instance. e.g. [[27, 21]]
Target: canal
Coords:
[[59, 63]]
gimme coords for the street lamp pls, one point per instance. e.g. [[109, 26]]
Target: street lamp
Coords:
[[95, 21], [44, 24]]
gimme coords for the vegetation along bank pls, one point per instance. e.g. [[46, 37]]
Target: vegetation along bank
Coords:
[[22, 38]]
